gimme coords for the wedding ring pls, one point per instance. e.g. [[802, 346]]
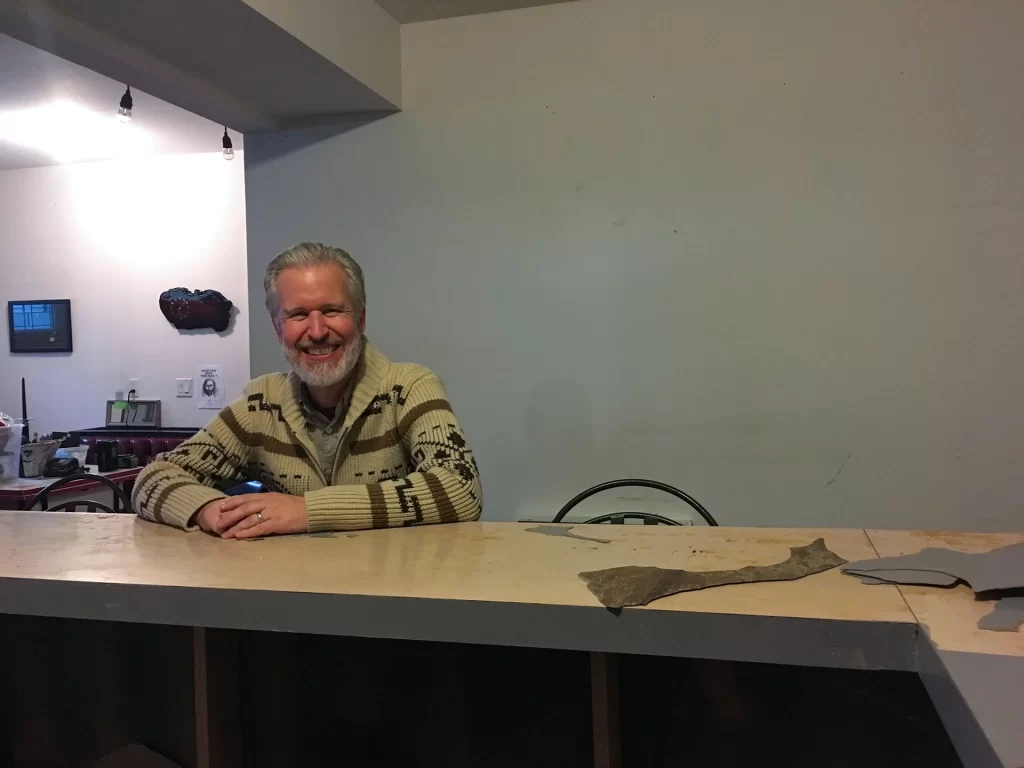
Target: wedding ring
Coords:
[[259, 516]]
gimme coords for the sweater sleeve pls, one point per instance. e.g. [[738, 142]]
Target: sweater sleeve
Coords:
[[444, 486], [175, 485]]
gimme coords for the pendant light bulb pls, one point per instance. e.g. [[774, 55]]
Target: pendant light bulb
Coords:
[[229, 152], [124, 110]]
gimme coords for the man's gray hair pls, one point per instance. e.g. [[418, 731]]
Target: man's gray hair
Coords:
[[313, 255]]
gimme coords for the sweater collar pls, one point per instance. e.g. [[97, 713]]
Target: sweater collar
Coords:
[[369, 371]]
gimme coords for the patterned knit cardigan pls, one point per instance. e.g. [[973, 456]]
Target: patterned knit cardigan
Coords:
[[403, 460]]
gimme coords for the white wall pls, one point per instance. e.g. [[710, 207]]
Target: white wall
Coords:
[[768, 252], [111, 237]]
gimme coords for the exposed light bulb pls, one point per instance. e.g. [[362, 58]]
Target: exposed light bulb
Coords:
[[228, 152], [124, 110]]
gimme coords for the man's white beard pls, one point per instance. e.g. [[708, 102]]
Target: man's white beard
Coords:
[[326, 374]]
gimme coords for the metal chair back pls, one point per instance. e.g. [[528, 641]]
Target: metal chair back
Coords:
[[621, 517], [72, 505]]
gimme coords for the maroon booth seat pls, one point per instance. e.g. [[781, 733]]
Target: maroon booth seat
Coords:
[[146, 448]]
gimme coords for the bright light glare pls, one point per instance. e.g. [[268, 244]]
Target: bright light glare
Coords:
[[159, 214], [69, 132]]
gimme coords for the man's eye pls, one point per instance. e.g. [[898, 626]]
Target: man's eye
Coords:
[[332, 312], [298, 316]]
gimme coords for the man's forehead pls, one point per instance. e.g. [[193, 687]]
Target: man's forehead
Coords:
[[314, 285]]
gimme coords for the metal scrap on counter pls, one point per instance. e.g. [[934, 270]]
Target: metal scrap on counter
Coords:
[[631, 585]]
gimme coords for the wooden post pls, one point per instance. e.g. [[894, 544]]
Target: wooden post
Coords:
[[217, 703], [604, 701]]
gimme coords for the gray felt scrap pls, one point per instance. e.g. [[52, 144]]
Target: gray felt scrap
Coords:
[[1008, 615], [984, 572], [638, 585], [564, 530], [906, 576], [870, 579]]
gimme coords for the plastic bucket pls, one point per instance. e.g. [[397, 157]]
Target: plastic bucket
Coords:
[[10, 452]]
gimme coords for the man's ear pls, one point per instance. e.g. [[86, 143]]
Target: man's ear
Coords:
[[362, 321], [276, 322]]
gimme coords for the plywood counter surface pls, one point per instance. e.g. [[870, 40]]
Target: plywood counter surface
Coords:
[[478, 582], [502, 584]]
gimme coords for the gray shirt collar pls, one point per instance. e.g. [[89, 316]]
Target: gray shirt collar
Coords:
[[315, 418]]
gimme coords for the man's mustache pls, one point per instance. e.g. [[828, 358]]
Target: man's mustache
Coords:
[[312, 343]]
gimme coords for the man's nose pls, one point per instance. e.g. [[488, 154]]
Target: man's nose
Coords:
[[317, 327]]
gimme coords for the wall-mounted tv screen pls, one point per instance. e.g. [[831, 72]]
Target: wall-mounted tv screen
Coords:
[[42, 325]]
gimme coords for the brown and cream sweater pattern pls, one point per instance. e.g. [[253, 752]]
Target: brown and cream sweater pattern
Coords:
[[404, 459]]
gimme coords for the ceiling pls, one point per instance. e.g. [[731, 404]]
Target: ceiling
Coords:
[[407, 11], [34, 79]]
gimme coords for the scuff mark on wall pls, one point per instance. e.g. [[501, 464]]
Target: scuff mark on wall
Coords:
[[841, 468]]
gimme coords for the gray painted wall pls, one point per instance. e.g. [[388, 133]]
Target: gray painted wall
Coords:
[[771, 253]]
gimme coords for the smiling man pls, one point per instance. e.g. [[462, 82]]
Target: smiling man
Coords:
[[348, 440]]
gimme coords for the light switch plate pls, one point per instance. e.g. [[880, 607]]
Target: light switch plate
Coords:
[[184, 387]]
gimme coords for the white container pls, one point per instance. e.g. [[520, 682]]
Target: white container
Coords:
[[10, 452], [35, 455]]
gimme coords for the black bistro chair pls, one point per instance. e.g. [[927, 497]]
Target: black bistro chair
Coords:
[[619, 518], [716, 678], [120, 497]]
